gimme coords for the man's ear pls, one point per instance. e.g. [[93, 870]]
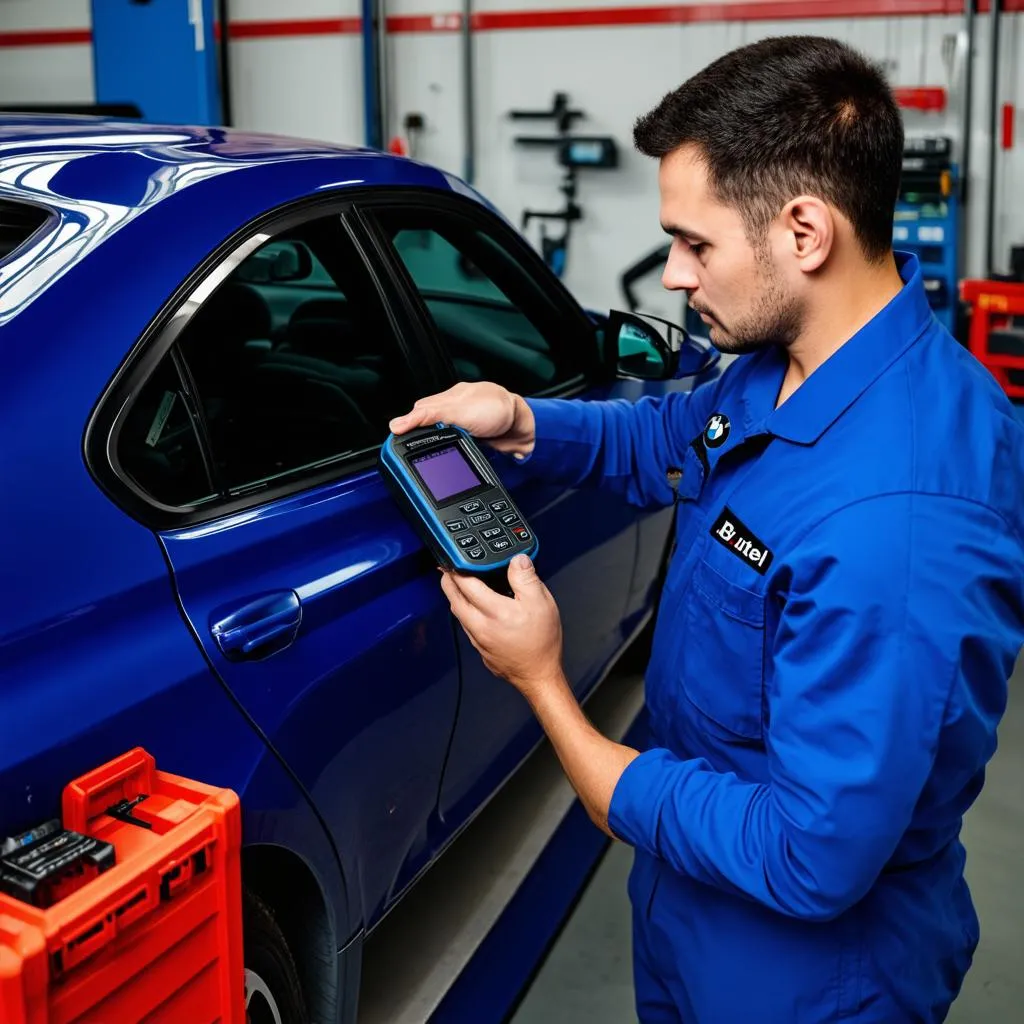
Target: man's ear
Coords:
[[810, 231]]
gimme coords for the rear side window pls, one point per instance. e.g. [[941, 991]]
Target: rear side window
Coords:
[[159, 446], [18, 223]]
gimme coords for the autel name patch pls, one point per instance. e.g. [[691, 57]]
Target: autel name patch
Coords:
[[732, 533]]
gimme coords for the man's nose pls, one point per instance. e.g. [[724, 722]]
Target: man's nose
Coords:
[[678, 274]]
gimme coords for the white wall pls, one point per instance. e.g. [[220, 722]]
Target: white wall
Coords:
[[307, 85], [45, 73], [310, 84]]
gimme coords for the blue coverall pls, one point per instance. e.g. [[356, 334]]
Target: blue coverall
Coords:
[[836, 631]]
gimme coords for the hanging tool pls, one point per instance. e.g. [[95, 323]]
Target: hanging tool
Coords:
[[574, 153]]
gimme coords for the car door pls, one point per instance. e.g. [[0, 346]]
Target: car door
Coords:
[[497, 314], [309, 593]]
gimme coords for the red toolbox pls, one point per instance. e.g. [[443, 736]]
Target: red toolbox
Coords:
[[996, 335], [155, 938]]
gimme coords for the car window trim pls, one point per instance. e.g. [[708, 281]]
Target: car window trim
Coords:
[[403, 294], [197, 416], [512, 242], [99, 443]]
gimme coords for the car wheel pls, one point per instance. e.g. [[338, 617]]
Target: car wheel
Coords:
[[273, 994]]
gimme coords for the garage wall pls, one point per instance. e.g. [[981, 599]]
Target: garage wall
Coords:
[[45, 51], [303, 76], [616, 72]]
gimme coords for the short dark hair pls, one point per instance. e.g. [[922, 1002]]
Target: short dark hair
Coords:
[[790, 116]]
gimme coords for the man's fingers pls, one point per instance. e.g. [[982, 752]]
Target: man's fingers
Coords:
[[470, 616], [478, 594]]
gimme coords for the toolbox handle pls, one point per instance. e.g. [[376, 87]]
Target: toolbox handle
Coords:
[[123, 778]]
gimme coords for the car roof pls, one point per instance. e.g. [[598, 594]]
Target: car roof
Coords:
[[32, 145], [95, 175]]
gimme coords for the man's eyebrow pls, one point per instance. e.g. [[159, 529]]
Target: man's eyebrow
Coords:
[[677, 231]]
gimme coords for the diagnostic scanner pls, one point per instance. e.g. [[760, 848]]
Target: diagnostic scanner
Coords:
[[454, 499]]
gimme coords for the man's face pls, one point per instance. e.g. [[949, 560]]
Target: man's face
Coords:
[[739, 291]]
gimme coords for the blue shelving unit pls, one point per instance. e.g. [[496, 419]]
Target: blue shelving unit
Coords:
[[927, 221]]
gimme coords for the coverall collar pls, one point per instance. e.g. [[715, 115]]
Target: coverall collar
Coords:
[[835, 385]]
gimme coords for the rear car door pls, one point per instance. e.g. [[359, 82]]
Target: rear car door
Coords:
[[496, 313], [247, 434]]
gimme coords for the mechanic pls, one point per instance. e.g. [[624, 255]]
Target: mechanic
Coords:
[[846, 598]]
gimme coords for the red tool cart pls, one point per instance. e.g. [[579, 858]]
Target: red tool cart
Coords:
[[996, 335]]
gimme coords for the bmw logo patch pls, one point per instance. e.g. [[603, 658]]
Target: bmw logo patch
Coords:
[[716, 431]]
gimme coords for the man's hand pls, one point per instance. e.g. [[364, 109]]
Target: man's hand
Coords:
[[519, 638], [487, 411]]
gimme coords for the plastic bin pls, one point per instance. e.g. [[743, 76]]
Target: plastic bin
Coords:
[[158, 937]]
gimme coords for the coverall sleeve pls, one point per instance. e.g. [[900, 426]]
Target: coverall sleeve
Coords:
[[902, 619], [621, 446]]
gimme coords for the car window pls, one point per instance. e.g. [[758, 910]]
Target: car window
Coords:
[[292, 372], [438, 268], [286, 263], [496, 320], [285, 273], [18, 223], [158, 447], [293, 363]]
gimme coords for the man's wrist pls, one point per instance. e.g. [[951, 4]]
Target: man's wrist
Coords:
[[524, 427], [552, 695]]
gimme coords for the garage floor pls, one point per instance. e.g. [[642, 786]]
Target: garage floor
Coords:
[[587, 977]]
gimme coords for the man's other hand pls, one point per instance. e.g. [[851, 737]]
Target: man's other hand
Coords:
[[487, 411], [519, 637]]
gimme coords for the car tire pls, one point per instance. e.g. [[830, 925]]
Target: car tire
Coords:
[[273, 993]]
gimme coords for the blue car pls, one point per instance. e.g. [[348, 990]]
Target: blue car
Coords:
[[204, 335]]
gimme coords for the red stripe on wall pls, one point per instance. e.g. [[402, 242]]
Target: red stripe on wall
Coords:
[[301, 27], [427, 22], [679, 14], [46, 37], [667, 14]]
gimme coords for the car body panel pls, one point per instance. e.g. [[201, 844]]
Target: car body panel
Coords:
[[103, 665], [371, 672]]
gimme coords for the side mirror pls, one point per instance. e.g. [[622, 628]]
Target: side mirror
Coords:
[[639, 346], [275, 263]]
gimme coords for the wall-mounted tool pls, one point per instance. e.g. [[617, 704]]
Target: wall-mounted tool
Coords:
[[574, 153]]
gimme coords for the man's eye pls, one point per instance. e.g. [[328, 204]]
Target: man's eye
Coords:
[[697, 248]]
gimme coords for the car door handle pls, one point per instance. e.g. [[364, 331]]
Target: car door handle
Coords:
[[261, 627]]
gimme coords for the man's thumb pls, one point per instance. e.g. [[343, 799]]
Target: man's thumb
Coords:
[[521, 573], [399, 424]]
